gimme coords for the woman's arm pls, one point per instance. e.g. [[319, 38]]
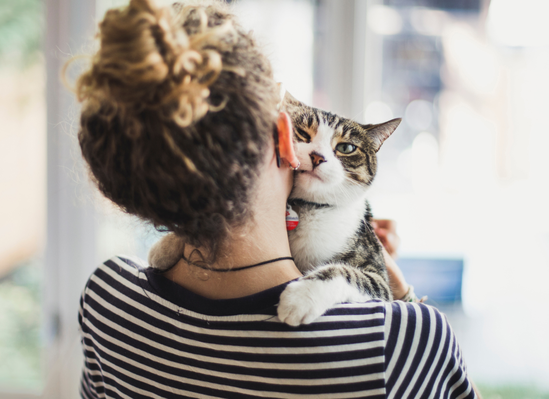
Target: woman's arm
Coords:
[[397, 282], [385, 230]]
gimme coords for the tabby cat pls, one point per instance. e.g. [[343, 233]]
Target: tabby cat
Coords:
[[334, 244]]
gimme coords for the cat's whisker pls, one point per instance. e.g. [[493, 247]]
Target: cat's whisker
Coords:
[[352, 181]]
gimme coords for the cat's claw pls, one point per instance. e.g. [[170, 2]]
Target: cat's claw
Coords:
[[303, 301]]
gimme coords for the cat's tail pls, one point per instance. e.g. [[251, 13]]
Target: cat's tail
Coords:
[[166, 252]]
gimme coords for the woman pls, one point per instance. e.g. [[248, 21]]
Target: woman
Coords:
[[180, 127]]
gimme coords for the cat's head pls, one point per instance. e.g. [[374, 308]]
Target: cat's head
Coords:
[[337, 155]]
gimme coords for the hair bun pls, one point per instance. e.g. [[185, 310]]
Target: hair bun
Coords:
[[146, 134], [147, 61]]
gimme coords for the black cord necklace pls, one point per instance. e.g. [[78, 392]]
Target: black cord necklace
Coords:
[[235, 269]]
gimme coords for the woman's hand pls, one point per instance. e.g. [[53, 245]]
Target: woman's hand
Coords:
[[397, 282], [386, 232]]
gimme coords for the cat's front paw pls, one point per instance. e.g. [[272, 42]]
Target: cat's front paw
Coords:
[[303, 301]]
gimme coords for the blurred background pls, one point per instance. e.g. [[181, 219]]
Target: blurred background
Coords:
[[466, 175]]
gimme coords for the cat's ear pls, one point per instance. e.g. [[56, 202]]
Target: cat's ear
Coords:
[[381, 132], [288, 98], [290, 104]]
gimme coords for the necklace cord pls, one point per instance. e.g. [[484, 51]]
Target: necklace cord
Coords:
[[245, 267], [180, 309]]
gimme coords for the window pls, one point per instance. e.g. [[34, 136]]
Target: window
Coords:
[[23, 195]]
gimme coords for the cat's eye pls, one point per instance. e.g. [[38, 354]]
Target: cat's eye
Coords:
[[346, 148], [302, 134]]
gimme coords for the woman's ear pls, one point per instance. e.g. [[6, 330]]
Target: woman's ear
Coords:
[[285, 139]]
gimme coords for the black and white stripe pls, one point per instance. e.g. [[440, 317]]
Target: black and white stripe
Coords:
[[145, 337]]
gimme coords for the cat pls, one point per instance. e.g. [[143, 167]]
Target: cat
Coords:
[[334, 244]]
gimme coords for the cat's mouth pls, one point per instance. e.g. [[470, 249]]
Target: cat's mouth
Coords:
[[309, 173]]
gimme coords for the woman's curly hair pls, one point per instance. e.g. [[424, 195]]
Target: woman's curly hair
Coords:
[[178, 107]]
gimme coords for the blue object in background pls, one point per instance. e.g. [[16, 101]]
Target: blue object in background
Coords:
[[439, 279]]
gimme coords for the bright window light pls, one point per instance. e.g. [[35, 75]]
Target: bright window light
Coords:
[[384, 20], [377, 112], [519, 23], [419, 114]]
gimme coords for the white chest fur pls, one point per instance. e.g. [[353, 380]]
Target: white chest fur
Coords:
[[324, 232]]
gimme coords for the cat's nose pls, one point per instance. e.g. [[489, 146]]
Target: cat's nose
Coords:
[[316, 158]]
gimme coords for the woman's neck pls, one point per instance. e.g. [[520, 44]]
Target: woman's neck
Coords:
[[264, 238]]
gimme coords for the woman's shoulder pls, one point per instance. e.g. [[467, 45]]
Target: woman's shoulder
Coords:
[[422, 354], [115, 276], [400, 310], [118, 267], [395, 312], [415, 326]]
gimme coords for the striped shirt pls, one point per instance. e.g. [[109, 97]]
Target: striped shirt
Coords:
[[144, 336]]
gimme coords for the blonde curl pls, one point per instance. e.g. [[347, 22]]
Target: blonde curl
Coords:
[[146, 60]]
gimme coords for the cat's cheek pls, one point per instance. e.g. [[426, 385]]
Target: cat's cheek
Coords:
[[303, 183], [302, 152]]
